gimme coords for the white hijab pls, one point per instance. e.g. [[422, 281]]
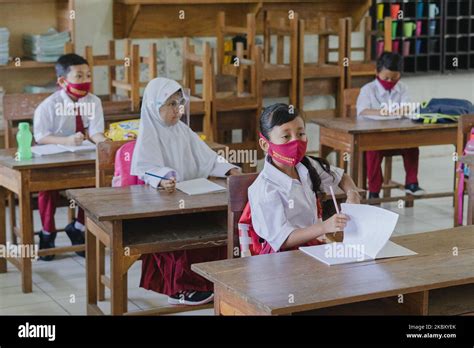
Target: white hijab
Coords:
[[159, 145]]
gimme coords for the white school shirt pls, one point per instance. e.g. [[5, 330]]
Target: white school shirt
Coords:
[[281, 204], [372, 95], [53, 116]]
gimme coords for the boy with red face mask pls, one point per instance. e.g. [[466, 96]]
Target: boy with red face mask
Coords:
[[386, 95], [67, 117]]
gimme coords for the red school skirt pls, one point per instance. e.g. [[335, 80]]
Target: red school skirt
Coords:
[[169, 273]]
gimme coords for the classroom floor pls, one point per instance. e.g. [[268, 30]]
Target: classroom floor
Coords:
[[59, 287]]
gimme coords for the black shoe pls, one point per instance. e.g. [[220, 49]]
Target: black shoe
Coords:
[[46, 241], [374, 195], [414, 189], [76, 236], [191, 298]]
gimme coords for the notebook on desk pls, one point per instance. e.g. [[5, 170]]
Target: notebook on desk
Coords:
[[199, 187], [366, 237], [381, 118], [52, 149]]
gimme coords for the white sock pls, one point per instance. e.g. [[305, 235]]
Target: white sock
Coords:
[[79, 226], [46, 233]]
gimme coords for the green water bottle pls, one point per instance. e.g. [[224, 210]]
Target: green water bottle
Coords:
[[23, 139]]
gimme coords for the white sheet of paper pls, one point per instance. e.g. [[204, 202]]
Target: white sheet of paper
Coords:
[[381, 117], [368, 226], [85, 146], [391, 249], [199, 187], [366, 237], [44, 150]]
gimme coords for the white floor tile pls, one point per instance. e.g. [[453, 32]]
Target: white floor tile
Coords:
[[44, 308]]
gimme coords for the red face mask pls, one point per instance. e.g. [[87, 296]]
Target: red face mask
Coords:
[[387, 85], [84, 87], [290, 153]]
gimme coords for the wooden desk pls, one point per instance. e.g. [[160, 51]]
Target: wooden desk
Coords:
[[55, 172], [128, 221], [355, 136], [432, 282]]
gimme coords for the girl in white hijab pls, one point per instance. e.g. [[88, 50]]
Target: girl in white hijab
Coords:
[[167, 147]]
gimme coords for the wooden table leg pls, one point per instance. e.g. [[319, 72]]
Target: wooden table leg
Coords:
[[91, 269], [100, 250], [12, 214], [3, 230], [470, 200], [26, 233], [116, 271]]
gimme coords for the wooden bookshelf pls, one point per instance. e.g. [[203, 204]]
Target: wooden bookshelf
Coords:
[[458, 35], [425, 54], [33, 16], [446, 36]]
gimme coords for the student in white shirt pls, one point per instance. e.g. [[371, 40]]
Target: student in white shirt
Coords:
[[168, 148], [67, 117], [284, 199], [387, 95]]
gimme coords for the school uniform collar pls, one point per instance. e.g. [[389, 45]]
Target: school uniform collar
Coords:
[[383, 92], [68, 99], [279, 178]]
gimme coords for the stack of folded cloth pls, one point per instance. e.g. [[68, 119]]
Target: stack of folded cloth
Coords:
[[46, 47]]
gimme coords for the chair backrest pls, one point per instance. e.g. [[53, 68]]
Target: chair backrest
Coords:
[[19, 107], [151, 62], [105, 162], [237, 186], [349, 99], [224, 30], [365, 23], [192, 61], [131, 63], [246, 74], [465, 124], [281, 27], [324, 27]]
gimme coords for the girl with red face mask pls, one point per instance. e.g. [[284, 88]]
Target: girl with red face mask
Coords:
[[386, 95], [284, 199]]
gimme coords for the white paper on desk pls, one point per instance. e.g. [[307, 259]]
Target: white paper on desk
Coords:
[[366, 237], [199, 187], [44, 150], [85, 146], [381, 118]]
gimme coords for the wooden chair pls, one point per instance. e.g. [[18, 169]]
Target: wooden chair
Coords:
[[239, 108], [349, 101], [224, 30], [237, 186], [200, 102], [273, 73], [323, 77], [465, 124], [20, 108], [131, 63], [365, 67], [350, 96]]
